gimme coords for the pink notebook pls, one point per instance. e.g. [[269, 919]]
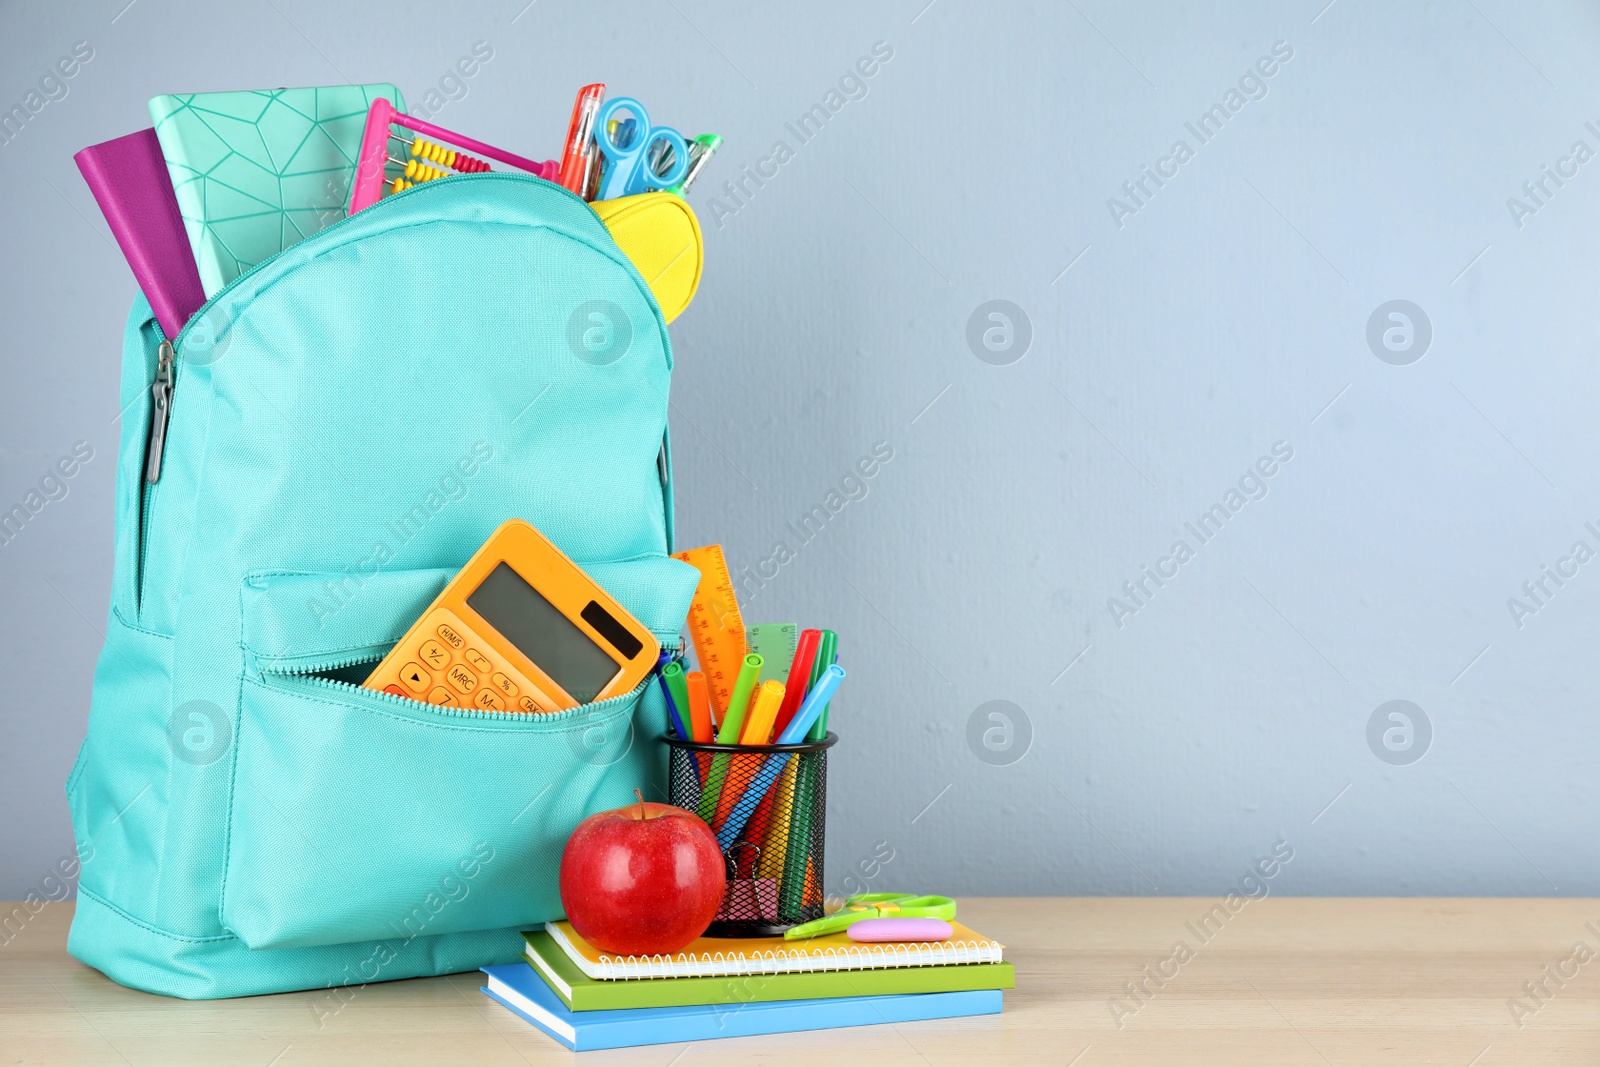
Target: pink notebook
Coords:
[[129, 179]]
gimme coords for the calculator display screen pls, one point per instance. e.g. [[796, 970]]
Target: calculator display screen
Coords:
[[540, 632]]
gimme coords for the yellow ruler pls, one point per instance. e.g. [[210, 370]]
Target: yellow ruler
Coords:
[[715, 625]]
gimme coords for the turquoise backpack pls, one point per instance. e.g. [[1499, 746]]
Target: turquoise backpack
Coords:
[[348, 422]]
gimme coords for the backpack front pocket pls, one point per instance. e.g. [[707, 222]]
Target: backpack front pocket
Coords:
[[356, 815]]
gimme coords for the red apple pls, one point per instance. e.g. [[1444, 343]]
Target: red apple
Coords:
[[642, 880]]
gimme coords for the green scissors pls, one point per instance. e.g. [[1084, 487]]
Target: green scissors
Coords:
[[875, 906]]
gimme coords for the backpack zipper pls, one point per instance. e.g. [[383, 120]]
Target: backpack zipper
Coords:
[[161, 398], [155, 445], [345, 690]]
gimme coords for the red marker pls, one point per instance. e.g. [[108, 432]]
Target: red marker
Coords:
[[794, 690]]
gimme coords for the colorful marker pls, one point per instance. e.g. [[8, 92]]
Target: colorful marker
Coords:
[[763, 712], [799, 677], [745, 806], [827, 656], [699, 706], [678, 693], [677, 723], [739, 702]]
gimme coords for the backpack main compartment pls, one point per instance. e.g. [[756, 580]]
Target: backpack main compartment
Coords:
[[349, 421]]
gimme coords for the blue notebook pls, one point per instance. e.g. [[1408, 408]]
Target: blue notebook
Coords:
[[520, 989]]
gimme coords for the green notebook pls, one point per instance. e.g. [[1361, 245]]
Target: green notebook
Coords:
[[582, 993], [255, 172]]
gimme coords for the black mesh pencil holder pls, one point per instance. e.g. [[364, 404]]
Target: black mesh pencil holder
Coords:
[[766, 804]]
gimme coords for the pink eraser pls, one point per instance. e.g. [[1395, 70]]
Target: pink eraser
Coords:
[[892, 929]]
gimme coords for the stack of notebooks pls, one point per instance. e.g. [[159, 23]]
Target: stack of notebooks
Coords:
[[726, 987]]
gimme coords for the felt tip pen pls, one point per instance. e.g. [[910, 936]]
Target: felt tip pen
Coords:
[[728, 734], [763, 711], [799, 679], [672, 680], [674, 723], [827, 656], [699, 706], [815, 701], [739, 815], [739, 701]]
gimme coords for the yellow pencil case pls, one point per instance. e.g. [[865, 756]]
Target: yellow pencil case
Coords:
[[660, 233]]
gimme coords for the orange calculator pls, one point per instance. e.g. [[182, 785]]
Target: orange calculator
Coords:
[[520, 628]]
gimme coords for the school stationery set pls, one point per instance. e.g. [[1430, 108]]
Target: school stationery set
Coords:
[[224, 181], [749, 744], [394, 548], [726, 988]]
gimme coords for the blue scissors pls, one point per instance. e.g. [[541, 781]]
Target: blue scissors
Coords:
[[628, 170]]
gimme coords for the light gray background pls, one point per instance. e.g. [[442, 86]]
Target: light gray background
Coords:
[[1227, 314]]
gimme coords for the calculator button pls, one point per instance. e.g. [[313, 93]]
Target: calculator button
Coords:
[[441, 695], [479, 661], [448, 634], [395, 690], [462, 678], [415, 678], [504, 684], [435, 655], [527, 705], [488, 698]]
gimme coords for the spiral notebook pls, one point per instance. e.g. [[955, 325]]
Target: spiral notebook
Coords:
[[726, 956], [581, 993]]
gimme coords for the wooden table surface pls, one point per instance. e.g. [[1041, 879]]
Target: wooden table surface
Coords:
[[1282, 981]]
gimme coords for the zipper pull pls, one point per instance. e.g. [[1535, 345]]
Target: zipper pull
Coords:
[[161, 397]]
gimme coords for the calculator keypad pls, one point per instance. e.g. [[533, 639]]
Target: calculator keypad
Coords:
[[446, 667], [462, 678]]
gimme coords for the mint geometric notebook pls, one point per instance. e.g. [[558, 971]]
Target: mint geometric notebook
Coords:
[[255, 172]]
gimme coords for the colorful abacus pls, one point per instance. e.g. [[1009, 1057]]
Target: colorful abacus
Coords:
[[424, 153], [429, 161], [445, 157], [415, 171]]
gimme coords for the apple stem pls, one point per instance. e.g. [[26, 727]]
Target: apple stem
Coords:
[[640, 795]]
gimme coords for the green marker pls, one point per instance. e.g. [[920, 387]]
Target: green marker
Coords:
[[791, 891], [678, 690], [827, 652], [739, 700], [728, 734]]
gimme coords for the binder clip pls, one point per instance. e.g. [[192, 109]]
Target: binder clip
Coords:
[[748, 899]]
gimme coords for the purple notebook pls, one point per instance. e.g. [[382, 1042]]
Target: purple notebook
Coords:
[[129, 179]]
